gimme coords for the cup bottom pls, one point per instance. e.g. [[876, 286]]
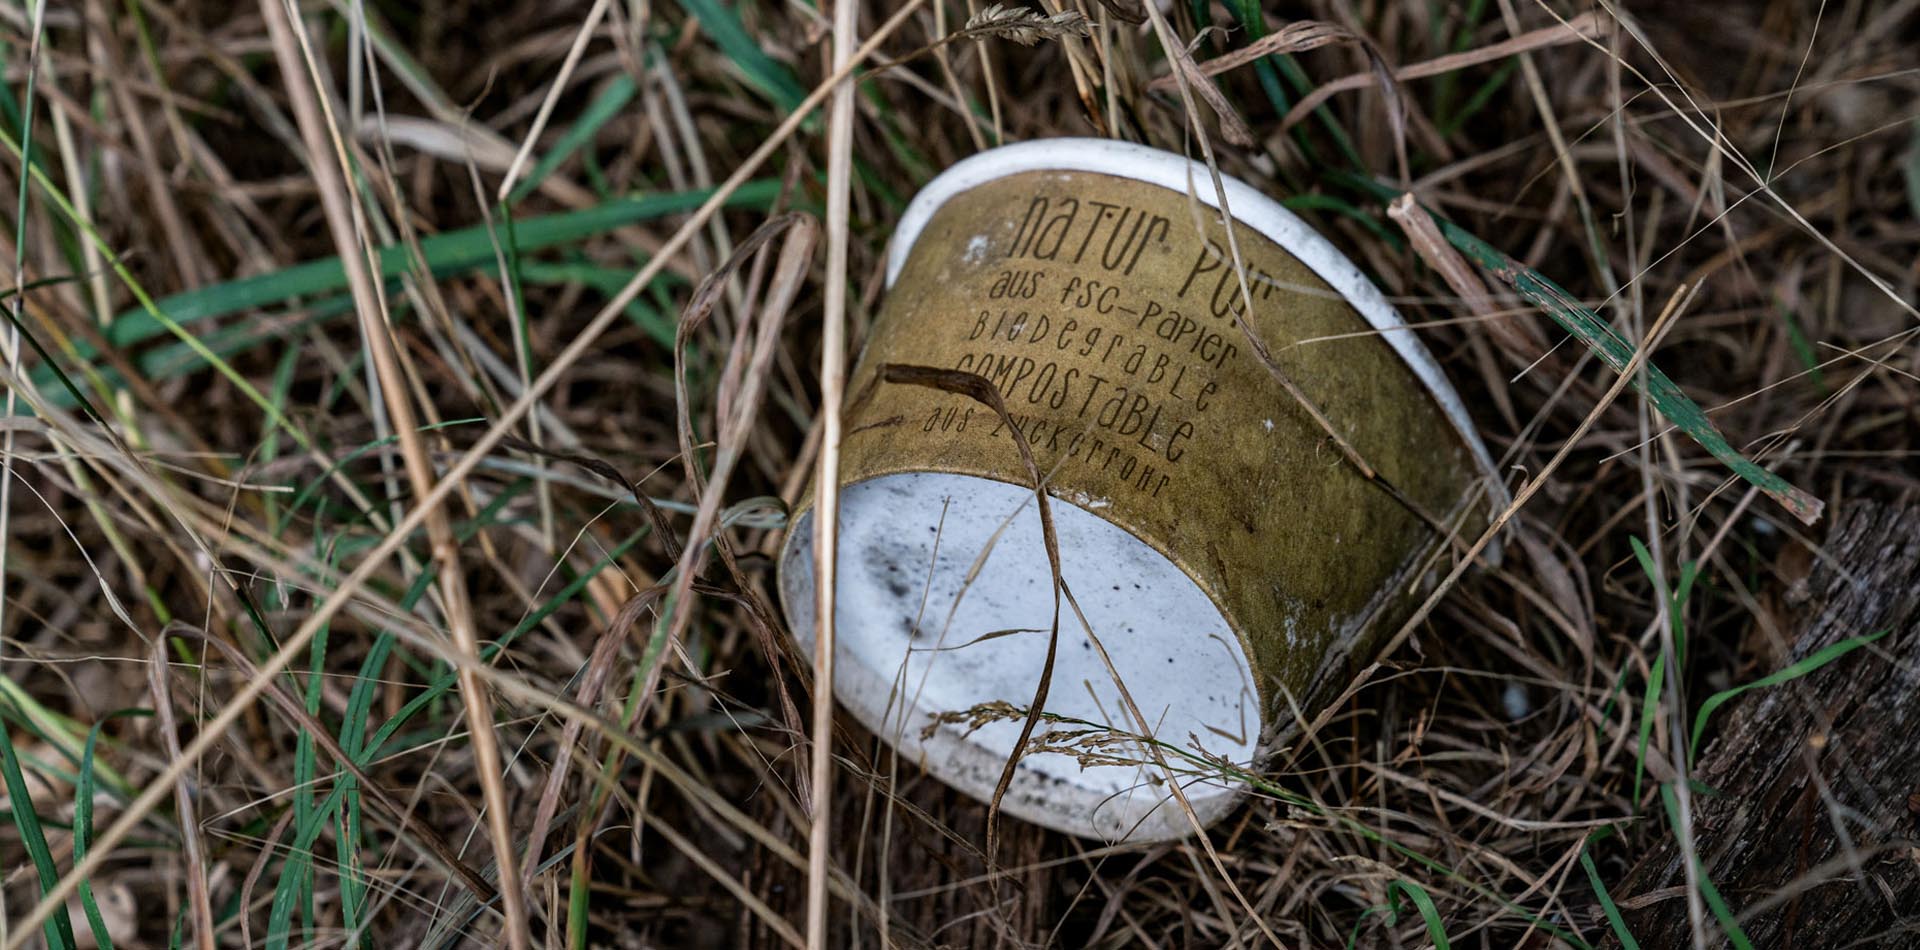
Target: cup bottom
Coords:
[[945, 601]]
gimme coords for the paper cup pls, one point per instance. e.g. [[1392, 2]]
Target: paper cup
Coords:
[[1222, 549]]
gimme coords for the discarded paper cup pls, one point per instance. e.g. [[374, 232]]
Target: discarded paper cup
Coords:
[[1232, 561]]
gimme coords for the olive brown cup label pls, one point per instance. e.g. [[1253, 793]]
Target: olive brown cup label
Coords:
[[1107, 312]]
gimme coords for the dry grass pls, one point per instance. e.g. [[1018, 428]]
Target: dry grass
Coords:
[[336, 599]]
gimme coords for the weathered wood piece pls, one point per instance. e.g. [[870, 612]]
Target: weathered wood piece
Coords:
[[1813, 837]]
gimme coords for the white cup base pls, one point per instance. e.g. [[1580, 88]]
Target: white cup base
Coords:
[[928, 625]]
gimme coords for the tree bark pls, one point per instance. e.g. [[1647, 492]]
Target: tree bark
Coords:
[[1810, 831]]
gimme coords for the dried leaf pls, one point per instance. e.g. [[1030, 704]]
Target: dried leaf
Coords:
[[1584, 27], [1296, 37], [1232, 127], [1520, 337]]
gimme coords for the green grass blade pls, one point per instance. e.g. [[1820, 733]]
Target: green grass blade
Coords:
[[1253, 19], [1445, 83], [1480, 98], [1648, 704], [11, 119], [286, 892], [598, 113], [83, 824], [20, 801], [306, 765], [1315, 201], [353, 885], [1612, 910], [1657, 677], [1798, 342], [1818, 659], [353, 729], [1422, 901], [577, 907], [7, 294], [452, 252], [446, 254], [766, 75], [1652, 570], [1721, 912], [56, 730]]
